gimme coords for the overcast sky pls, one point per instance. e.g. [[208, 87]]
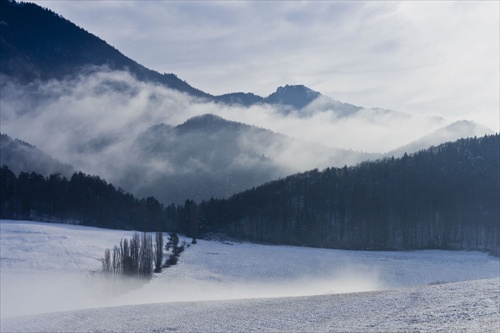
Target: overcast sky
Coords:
[[435, 58]]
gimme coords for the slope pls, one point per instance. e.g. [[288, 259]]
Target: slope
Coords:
[[445, 197], [208, 156], [20, 156], [452, 132], [44, 268], [36, 43], [458, 307]]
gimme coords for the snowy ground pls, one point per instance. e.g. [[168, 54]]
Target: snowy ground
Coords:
[[241, 287]]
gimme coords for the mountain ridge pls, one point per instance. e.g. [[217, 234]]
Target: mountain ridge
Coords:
[[447, 133], [32, 48], [39, 44], [21, 156]]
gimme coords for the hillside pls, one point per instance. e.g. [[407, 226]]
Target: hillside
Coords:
[[22, 157], [228, 286], [457, 307], [210, 157], [36, 43], [445, 197], [81, 199], [452, 132]]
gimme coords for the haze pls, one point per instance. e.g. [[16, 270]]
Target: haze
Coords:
[[47, 267], [88, 123]]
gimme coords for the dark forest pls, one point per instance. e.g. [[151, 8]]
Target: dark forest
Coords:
[[445, 197]]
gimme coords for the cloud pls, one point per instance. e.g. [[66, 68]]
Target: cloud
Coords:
[[103, 123], [428, 58]]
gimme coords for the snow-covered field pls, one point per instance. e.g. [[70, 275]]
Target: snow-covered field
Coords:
[[226, 286]]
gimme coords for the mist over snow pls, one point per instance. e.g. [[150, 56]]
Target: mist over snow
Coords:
[[46, 267]]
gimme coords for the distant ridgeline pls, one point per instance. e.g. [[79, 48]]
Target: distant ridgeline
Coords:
[[446, 197]]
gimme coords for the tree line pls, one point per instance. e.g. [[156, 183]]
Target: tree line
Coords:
[[445, 197], [135, 257], [89, 200], [132, 258], [83, 199]]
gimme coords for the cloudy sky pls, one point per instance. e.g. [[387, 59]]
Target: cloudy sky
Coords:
[[435, 58]]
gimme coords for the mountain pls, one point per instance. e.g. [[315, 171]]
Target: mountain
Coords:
[[36, 43], [290, 98], [296, 96], [204, 157], [208, 156], [452, 132], [103, 119], [20, 156], [245, 99]]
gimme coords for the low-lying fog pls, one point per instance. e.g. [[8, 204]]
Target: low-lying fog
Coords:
[[123, 130], [48, 267], [95, 119]]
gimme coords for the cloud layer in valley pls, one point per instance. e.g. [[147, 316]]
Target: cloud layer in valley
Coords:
[[114, 107], [428, 58], [102, 123]]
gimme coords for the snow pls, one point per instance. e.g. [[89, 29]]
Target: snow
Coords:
[[458, 307], [46, 285]]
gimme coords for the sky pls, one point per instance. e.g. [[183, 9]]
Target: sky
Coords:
[[431, 57], [422, 57]]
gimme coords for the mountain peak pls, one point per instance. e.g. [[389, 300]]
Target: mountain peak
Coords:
[[296, 96]]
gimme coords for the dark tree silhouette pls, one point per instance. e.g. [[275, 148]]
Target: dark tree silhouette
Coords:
[[158, 251], [445, 197]]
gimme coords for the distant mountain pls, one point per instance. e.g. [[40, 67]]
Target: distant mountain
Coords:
[[20, 156], [296, 96], [245, 99], [290, 98], [208, 156], [36, 43], [203, 157], [452, 132]]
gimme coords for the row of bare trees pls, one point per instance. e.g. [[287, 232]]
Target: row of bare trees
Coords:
[[132, 257], [136, 256]]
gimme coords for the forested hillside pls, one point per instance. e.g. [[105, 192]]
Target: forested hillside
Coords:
[[446, 197], [83, 199], [38, 44]]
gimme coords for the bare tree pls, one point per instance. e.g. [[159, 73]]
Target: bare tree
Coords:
[[158, 251], [134, 257], [106, 262]]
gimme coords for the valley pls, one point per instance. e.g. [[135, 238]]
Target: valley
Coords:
[[330, 167]]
